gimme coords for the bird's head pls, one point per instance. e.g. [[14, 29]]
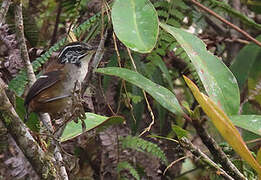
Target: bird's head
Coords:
[[74, 52]]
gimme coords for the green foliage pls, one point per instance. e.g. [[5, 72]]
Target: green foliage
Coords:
[[134, 29], [220, 5], [33, 122], [172, 13], [142, 145], [127, 166], [18, 83], [220, 85], [165, 97], [70, 9], [179, 131], [91, 121]]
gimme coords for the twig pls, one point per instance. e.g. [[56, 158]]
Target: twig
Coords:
[[59, 10], [226, 22], [4, 10], [100, 51], [198, 153], [253, 141], [174, 162], [145, 97], [216, 151], [123, 82]]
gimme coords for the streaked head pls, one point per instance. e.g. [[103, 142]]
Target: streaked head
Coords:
[[74, 52]]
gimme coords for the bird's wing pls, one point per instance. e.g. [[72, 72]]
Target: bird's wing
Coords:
[[45, 81]]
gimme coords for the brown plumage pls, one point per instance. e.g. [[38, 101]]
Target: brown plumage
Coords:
[[52, 92]]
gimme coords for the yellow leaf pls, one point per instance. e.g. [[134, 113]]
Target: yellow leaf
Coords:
[[71, 36], [224, 125]]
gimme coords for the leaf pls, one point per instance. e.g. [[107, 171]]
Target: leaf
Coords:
[[33, 123], [157, 60], [92, 121], [217, 79], [127, 166], [224, 125], [244, 62], [179, 131], [249, 122], [165, 97], [135, 23], [142, 145]]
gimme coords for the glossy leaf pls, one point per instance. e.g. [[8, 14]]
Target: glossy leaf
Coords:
[[165, 97], [243, 63], [217, 79], [249, 122], [224, 125], [92, 121], [135, 23]]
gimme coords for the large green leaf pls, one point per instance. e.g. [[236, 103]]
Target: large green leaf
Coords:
[[249, 122], [217, 79], [243, 63], [92, 121], [135, 23], [165, 97]]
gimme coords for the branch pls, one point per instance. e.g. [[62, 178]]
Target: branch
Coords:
[[216, 151], [95, 62], [45, 118], [41, 163], [196, 152], [226, 22], [21, 40], [4, 10]]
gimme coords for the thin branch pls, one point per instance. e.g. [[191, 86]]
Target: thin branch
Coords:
[[145, 97], [4, 10], [198, 153], [21, 40], [96, 60], [174, 162], [226, 22], [123, 82], [216, 151], [57, 20]]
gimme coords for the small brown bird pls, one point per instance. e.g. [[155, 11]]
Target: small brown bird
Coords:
[[52, 92]]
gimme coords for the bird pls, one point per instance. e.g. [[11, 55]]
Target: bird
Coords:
[[52, 92]]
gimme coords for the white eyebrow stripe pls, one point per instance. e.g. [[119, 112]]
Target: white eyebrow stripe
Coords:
[[82, 55], [43, 76], [67, 48]]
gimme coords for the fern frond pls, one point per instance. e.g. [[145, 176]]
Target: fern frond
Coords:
[[18, 83], [228, 9], [127, 166], [142, 145]]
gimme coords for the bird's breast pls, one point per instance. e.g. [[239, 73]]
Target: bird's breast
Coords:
[[74, 73]]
